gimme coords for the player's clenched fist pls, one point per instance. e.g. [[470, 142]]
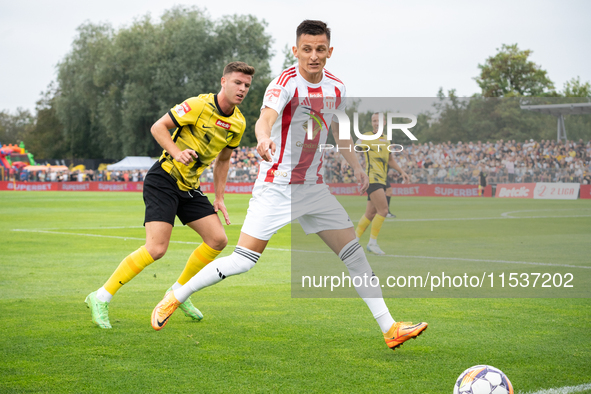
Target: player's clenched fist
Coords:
[[186, 157], [263, 149]]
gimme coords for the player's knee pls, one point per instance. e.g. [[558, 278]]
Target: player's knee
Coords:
[[383, 212], [244, 259], [218, 241], [157, 251]]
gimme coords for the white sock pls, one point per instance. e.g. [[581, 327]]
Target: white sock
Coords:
[[357, 264], [103, 295], [176, 285], [240, 261], [385, 320], [372, 241]]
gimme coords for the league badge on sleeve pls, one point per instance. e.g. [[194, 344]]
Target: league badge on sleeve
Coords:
[[182, 109], [272, 96]]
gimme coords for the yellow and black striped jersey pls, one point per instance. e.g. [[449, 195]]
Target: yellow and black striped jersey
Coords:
[[203, 127], [376, 158]]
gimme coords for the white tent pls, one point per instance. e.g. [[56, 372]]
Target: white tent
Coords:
[[132, 163]]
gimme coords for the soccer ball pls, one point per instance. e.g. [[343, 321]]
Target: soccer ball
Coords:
[[483, 379]]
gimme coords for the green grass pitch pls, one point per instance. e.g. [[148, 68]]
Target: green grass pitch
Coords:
[[255, 337]]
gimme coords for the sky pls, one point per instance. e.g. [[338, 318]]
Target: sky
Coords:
[[381, 48]]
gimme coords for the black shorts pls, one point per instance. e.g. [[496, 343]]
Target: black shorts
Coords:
[[373, 187], [164, 199]]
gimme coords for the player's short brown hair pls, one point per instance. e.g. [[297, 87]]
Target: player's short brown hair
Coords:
[[313, 28], [240, 67]]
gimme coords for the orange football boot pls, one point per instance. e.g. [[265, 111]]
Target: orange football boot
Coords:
[[164, 310], [401, 332]]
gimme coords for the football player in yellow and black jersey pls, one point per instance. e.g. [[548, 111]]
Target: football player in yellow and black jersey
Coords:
[[206, 127], [377, 159]]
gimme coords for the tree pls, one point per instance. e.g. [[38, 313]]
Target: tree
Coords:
[[288, 58], [82, 85], [13, 127], [574, 88], [114, 85], [46, 139], [510, 73]]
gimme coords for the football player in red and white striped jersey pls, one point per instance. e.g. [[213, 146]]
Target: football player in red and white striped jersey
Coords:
[[290, 183]]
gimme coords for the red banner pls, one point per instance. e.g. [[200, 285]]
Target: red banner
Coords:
[[350, 189], [207, 187], [344, 189], [439, 190], [231, 188], [585, 191], [74, 186], [29, 186], [515, 190], [339, 189]]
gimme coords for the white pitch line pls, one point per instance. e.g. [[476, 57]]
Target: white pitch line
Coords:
[[508, 214], [311, 251], [562, 390], [96, 228], [78, 228], [97, 236]]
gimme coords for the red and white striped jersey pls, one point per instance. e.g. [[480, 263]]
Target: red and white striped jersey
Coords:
[[298, 159]]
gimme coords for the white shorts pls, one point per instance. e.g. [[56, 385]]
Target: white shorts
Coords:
[[273, 206]]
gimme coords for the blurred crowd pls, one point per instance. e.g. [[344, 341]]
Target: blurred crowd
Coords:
[[501, 161], [244, 166], [459, 163]]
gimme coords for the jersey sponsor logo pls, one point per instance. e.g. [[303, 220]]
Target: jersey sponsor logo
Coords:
[[280, 173], [301, 144], [316, 95], [272, 96], [523, 192], [182, 109], [223, 124]]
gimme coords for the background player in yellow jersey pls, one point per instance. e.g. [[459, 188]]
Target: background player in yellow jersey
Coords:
[[206, 127], [377, 159]]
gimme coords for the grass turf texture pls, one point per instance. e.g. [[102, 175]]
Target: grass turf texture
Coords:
[[255, 337]]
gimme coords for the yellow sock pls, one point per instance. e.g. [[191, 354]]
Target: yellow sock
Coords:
[[362, 226], [128, 269], [201, 256], [376, 226]]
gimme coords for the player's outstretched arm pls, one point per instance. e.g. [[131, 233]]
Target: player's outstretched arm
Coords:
[[262, 130], [220, 176], [392, 163], [162, 136], [346, 149]]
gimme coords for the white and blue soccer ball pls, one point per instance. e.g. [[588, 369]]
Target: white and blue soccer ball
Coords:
[[483, 379]]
